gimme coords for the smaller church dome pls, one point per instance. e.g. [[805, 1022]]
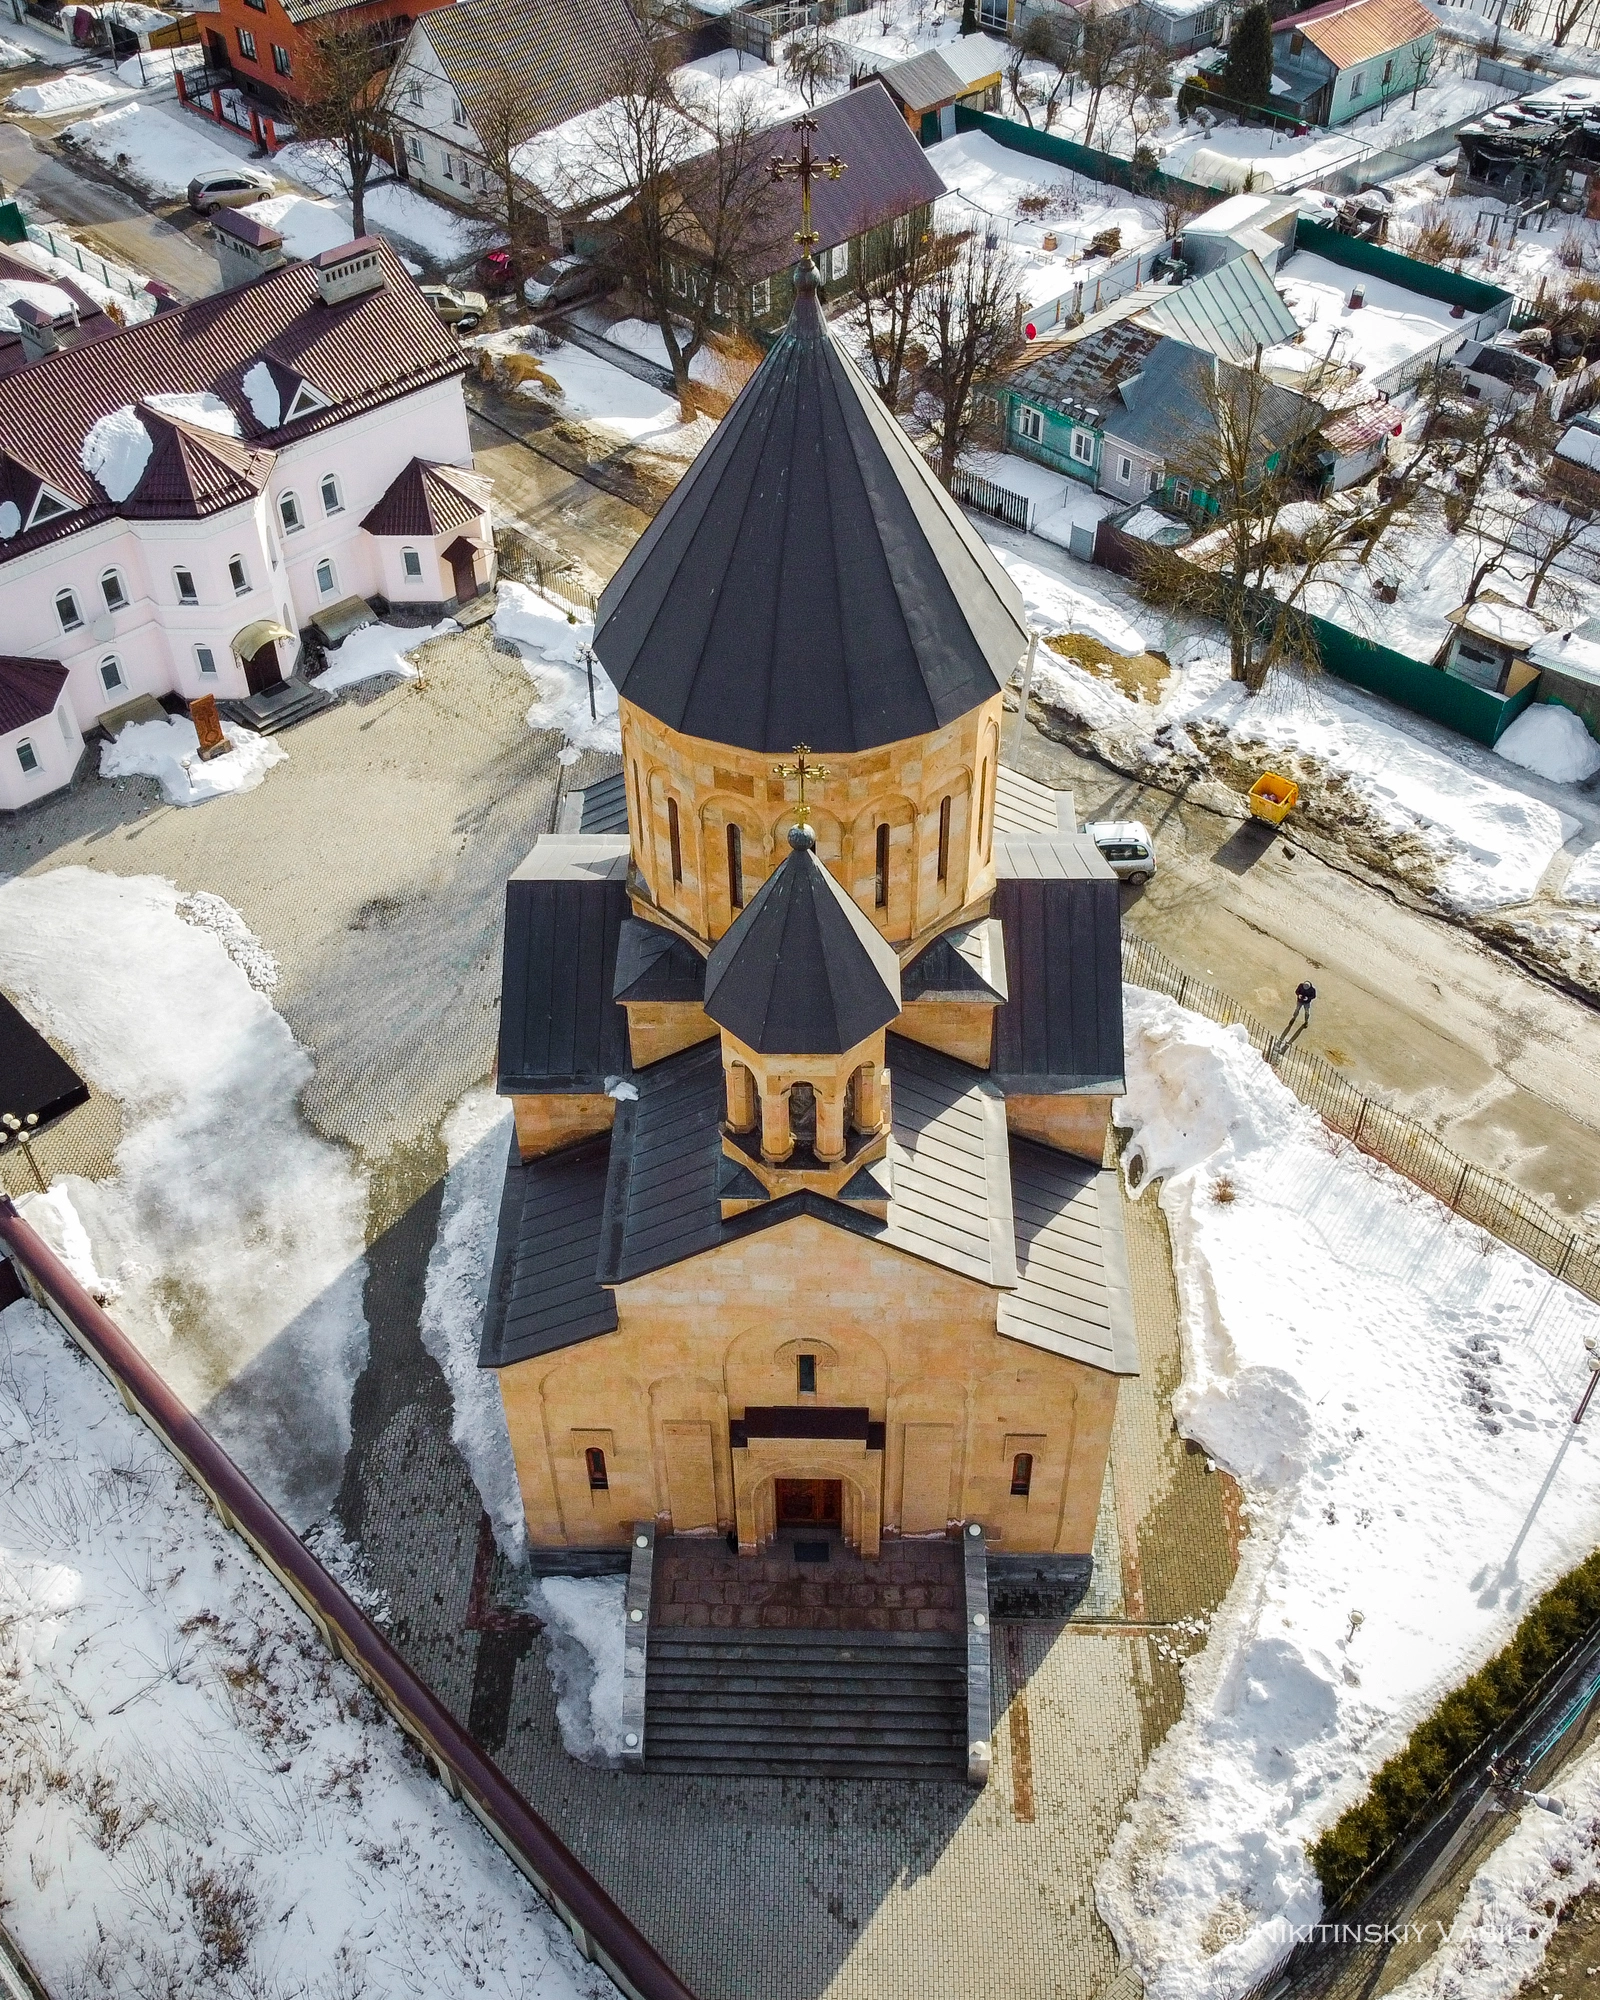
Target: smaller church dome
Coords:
[[802, 971]]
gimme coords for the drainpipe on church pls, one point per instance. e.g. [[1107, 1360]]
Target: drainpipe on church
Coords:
[[1027, 683]]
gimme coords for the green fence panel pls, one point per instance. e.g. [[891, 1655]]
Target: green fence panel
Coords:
[[12, 227], [1086, 160], [1412, 684], [1376, 262]]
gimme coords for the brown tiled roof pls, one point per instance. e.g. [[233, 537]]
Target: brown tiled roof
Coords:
[[29, 690], [193, 471], [563, 56], [357, 355], [93, 324], [245, 228], [1352, 31], [423, 500], [886, 174]]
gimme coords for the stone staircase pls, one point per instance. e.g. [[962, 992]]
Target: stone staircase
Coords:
[[791, 1703], [277, 708]]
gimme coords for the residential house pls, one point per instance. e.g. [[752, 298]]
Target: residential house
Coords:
[[1338, 60], [1569, 670], [180, 498], [467, 69], [888, 188], [270, 45], [927, 87], [1544, 147], [1182, 26]]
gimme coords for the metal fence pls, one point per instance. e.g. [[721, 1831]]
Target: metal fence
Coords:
[[71, 252], [1566, 1250], [988, 498], [602, 1933]]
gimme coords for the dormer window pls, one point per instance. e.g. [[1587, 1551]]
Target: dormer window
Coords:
[[305, 403], [48, 506]]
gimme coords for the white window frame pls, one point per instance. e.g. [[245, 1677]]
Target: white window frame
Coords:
[[289, 506], [192, 594], [760, 297], [237, 570], [1028, 423], [29, 770], [120, 681], [1358, 83], [414, 150], [411, 565], [839, 261], [113, 590], [1082, 447], [304, 403], [331, 479], [1125, 473], [331, 587], [457, 115], [201, 655], [414, 93], [75, 622]]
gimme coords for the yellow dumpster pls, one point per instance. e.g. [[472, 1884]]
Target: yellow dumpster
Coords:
[[1272, 797]]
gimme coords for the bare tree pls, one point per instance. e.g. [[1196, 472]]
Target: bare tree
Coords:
[[1050, 40], [888, 306], [505, 110], [1568, 14], [969, 318], [1145, 83], [1103, 42], [343, 101], [701, 206], [812, 61]]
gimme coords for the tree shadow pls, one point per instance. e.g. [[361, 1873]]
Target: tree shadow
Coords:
[[1245, 846]]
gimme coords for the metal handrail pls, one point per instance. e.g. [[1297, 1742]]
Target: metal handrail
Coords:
[[599, 1928]]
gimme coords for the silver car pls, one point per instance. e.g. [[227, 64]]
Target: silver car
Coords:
[[1127, 847]]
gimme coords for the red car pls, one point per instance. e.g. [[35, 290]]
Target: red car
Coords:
[[497, 271]]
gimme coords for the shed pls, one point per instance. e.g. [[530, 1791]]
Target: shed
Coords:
[[927, 87]]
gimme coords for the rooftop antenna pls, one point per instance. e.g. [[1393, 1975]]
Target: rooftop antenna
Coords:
[[805, 169]]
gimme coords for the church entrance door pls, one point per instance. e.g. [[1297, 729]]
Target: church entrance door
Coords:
[[809, 1503]]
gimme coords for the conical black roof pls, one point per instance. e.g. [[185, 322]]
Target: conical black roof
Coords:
[[809, 581], [801, 971]]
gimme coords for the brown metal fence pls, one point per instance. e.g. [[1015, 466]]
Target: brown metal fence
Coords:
[[1566, 1250]]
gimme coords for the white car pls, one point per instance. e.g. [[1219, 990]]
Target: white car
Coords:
[[1127, 847], [558, 282]]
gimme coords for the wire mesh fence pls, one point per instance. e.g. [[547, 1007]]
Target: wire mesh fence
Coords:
[[1566, 1250]]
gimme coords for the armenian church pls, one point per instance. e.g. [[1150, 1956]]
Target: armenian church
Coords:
[[812, 1023]]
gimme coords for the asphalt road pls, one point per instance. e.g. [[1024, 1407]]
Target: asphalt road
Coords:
[[1413, 1009]]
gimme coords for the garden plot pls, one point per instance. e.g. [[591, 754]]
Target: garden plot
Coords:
[[1391, 1389]]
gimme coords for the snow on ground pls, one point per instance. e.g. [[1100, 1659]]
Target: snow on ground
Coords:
[[558, 656], [155, 152], [1551, 740], [237, 1269], [14, 56], [152, 69], [1541, 253], [1583, 878], [1055, 606], [895, 29], [1391, 1388], [199, 1801], [477, 1137], [1499, 1935], [134, 304], [594, 391], [443, 236], [643, 337], [372, 650], [583, 1618], [170, 753], [78, 88]]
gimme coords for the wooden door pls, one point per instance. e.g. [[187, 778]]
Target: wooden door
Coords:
[[691, 1476], [925, 1479], [463, 571], [261, 670], [809, 1503]]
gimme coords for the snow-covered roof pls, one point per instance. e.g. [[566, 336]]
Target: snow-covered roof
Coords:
[[1576, 652], [1389, 327], [1581, 445], [1492, 617]]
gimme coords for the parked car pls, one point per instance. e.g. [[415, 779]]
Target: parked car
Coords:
[[1127, 846], [461, 310], [498, 271], [558, 282], [233, 186]]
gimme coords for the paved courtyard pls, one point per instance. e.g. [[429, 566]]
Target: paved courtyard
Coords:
[[372, 866]]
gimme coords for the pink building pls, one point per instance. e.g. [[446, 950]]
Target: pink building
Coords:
[[179, 500]]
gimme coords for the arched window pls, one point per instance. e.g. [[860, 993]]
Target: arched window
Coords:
[[944, 839], [289, 513], [411, 563], [238, 576], [675, 839], [111, 674], [806, 1374], [67, 611], [880, 890], [638, 800], [984, 830], [1021, 1475], [183, 582], [735, 867], [332, 500], [594, 1460], [327, 578], [112, 591]]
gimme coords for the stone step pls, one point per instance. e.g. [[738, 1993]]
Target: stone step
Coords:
[[279, 708], [796, 1682]]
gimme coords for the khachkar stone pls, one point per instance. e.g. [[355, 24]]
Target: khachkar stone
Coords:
[[208, 727]]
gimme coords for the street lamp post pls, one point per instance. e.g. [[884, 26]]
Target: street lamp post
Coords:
[[20, 1130]]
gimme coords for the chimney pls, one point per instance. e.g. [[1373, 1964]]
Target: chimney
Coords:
[[349, 271], [38, 330], [1358, 298]]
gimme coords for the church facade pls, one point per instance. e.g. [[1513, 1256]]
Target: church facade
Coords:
[[812, 1024]]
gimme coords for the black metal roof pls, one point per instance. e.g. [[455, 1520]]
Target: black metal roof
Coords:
[[560, 1028], [967, 963], [544, 1294], [1061, 1026], [809, 581], [1072, 1295], [666, 1147], [34, 1080], [653, 964], [801, 971]]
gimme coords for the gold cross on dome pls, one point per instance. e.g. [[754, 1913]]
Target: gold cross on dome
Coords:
[[805, 170], [801, 769]]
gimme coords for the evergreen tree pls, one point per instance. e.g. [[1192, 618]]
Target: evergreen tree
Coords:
[[969, 17], [1247, 75]]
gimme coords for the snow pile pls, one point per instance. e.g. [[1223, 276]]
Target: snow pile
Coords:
[[116, 452], [44, 298], [199, 1801], [205, 411], [153, 68], [307, 227], [584, 1618], [261, 392], [74, 91], [1552, 741], [559, 658], [1391, 1388], [595, 392], [477, 1137], [1508, 1916], [14, 56], [236, 1264], [391, 208], [1583, 878], [372, 650], [169, 752], [155, 152], [1054, 606]]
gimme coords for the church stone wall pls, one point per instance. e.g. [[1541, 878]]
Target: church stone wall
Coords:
[[901, 786], [912, 1343]]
